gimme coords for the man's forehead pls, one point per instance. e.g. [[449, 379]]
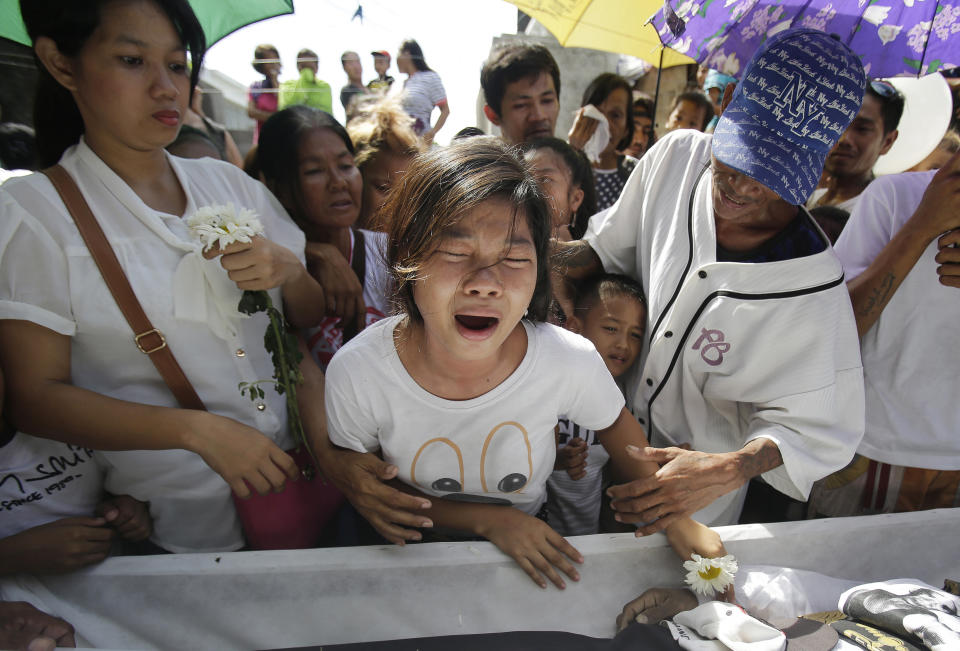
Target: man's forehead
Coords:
[[534, 85], [871, 109]]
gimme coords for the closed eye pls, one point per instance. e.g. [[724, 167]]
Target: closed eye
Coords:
[[131, 60]]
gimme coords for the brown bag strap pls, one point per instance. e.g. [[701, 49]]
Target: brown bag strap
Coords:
[[148, 339]]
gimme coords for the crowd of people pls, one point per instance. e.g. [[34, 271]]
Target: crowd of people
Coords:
[[515, 338]]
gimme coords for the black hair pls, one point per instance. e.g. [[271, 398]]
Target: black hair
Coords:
[[69, 24], [278, 152], [644, 106], [699, 98], [600, 88], [192, 138], [439, 188], [260, 53], [511, 63], [831, 220], [468, 132], [581, 175], [18, 147], [595, 287], [306, 55], [891, 107], [413, 48]]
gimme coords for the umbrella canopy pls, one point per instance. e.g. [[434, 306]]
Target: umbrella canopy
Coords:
[[892, 37], [618, 26], [217, 17]]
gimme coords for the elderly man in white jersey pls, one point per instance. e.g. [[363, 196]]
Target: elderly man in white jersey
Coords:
[[901, 255], [751, 354]]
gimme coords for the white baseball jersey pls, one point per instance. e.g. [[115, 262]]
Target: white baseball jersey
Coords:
[[733, 351]]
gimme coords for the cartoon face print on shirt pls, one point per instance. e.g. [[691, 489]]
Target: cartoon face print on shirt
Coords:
[[486, 473]]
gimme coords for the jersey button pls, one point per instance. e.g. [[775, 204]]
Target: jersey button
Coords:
[[702, 274], [649, 382], [668, 334]]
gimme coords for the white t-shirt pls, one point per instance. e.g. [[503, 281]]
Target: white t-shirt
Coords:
[[574, 504], [326, 338], [48, 277], [421, 92], [733, 351], [43, 480], [912, 353], [847, 205], [498, 448]]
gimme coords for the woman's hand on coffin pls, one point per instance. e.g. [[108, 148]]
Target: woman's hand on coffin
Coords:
[[22, 626], [537, 549]]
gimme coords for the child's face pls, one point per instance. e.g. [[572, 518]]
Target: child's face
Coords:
[[554, 178], [379, 175], [615, 325], [687, 115], [329, 180], [477, 285]]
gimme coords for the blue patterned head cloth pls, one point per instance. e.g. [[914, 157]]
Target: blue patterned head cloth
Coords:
[[795, 99], [716, 79]]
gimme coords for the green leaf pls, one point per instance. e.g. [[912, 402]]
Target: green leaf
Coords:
[[913, 63], [253, 302], [934, 66]]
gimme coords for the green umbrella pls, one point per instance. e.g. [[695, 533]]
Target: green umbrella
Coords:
[[218, 17]]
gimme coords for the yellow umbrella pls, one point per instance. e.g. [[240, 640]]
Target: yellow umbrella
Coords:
[[610, 25]]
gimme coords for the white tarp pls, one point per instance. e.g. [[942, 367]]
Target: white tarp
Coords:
[[250, 600]]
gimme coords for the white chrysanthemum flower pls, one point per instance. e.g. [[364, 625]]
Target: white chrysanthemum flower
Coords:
[[223, 225], [710, 576]]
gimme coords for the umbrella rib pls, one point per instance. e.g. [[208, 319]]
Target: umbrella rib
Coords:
[[926, 43]]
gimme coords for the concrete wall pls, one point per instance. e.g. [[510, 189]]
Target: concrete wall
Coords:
[[578, 66]]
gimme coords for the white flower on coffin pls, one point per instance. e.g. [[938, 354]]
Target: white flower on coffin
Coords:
[[710, 576], [223, 225]]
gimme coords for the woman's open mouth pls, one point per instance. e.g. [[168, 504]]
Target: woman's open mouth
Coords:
[[476, 327]]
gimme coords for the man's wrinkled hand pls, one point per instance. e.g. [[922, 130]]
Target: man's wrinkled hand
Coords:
[[687, 481]]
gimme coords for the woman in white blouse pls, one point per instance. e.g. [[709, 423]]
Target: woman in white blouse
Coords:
[[114, 88]]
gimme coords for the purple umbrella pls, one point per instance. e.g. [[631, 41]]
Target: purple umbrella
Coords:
[[891, 37]]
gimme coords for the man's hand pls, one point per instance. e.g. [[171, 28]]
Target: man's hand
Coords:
[[572, 457], [342, 289], [939, 209], [128, 516], [24, 627], [360, 477], [949, 258], [687, 482], [655, 605], [56, 547], [257, 265]]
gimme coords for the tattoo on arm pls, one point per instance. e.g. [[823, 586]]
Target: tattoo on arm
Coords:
[[878, 297], [760, 455]]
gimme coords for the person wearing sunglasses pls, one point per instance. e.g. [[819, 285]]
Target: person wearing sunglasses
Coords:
[[849, 164]]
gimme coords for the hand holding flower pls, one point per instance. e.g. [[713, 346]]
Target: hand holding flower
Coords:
[[258, 264]]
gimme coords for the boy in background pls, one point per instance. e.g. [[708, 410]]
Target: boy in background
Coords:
[[611, 312]]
